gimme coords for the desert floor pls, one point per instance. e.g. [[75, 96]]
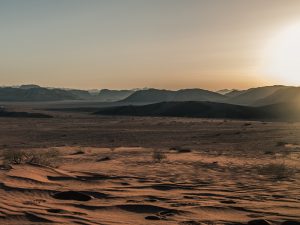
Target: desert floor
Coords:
[[108, 171]]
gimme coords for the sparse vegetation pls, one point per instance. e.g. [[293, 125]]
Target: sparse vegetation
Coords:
[[277, 170], [158, 155], [45, 158], [180, 149], [281, 143], [80, 151], [13, 156], [269, 152], [199, 165], [52, 153]]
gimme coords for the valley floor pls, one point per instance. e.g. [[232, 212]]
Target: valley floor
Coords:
[[133, 170]]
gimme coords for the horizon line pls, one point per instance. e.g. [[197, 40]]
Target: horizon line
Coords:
[[142, 88]]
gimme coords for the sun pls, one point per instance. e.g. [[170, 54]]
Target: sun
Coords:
[[282, 56]]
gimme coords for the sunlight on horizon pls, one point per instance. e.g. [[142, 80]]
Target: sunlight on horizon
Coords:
[[282, 55]]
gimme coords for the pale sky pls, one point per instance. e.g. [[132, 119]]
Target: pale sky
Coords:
[[120, 44]]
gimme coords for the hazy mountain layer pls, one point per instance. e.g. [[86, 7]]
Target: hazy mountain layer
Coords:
[[252, 97], [107, 95], [156, 95], [35, 94]]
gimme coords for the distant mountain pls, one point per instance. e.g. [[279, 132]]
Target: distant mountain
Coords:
[[150, 95], [225, 91], [35, 94], [80, 94], [29, 86], [282, 95], [253, 95], [156, 95], [94, 92], [107, 95], [197, 95], [4, 113], [235, 93], [284, 112]]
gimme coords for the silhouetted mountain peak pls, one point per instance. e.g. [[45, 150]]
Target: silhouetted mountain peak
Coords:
[[158, 95], [29, 86]]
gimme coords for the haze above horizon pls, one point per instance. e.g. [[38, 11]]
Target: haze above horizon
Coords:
[[168, 44]]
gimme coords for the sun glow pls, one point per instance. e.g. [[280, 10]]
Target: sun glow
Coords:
[[282, 56]]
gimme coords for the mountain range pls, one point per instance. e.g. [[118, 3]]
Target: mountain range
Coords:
[[252, 97], [259, 96], [34, 93]]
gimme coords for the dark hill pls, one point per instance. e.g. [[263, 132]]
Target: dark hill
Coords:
[[185, 109], [288, 111], [284, 112], [4, 113]]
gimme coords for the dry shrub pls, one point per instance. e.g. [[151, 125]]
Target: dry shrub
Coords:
[[13, 156], [180, 149], [281, 143], [38, 157], [277, 170], [44, 158], [158, 155], [80, 151], [53, 153]]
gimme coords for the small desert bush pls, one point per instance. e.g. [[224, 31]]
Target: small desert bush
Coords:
[[13, 156], [52, 153], [80, 151], [204, 166], [277, 170], [38, 157], [158, 156], [281, 143], [44, 158], [180, 149]]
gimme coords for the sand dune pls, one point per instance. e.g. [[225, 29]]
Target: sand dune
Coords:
[[129, 188]]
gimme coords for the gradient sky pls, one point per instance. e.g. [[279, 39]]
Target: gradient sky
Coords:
[[118, 44]]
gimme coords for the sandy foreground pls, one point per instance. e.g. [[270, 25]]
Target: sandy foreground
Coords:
[[212, 181]]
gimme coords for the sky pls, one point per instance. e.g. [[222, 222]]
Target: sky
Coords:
[[123, 44]]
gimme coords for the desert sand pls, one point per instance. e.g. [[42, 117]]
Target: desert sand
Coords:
[[210, 172]]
